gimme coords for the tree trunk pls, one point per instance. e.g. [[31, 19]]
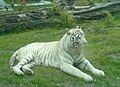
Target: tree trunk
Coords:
[[97, 11]]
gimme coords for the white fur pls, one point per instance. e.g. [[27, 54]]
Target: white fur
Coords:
[[59, 54]]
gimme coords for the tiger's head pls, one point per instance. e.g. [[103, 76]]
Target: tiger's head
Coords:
[[77, 37]]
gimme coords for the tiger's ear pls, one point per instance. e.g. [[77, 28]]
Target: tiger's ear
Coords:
[[77, 27], [68, 31]]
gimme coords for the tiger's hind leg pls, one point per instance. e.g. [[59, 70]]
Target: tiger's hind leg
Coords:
[[24, 60], [27, 68]]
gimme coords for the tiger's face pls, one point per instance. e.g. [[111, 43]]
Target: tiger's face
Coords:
[[77, 37]]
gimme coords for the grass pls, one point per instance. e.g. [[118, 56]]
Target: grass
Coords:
[[103, 50]]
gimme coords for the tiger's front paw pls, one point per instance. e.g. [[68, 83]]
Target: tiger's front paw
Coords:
[[99, 72], [88, 78], [17, 70]]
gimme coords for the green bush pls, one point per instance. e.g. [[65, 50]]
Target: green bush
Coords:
[[109, 19], [61, 17]]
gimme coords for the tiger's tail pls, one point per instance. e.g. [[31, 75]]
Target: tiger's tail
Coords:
[[12, 60]]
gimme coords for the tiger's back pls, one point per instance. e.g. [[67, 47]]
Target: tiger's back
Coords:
[[42, 53]]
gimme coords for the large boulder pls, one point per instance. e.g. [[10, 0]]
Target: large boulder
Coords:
[[2, 4]]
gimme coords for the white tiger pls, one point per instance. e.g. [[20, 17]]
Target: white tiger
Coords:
[[65, 54]]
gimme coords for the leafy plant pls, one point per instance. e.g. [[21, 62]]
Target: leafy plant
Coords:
[[109, 19], [61, 17]]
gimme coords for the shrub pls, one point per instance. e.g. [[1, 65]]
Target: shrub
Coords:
[[109, 19], [61, 17]]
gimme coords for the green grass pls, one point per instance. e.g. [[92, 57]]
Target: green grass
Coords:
[[103, 50]]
